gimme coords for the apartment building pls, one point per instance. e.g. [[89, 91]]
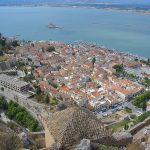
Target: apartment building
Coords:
[[13, 83]]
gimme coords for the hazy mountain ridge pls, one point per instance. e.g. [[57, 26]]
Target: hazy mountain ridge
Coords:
[[37, 2], [136, 5]]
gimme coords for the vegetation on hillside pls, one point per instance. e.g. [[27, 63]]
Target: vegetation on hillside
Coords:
[[8, 139], [142, 117], [29, 78], [141, 100], [128, 110], [18, 113], [44, 98], [127, 123], [3, 103], [6, 44], [4, 58], [20, 64], [104, 147], [21, 116], [146, 81], [54, 85], [51, 49], [119, 69]]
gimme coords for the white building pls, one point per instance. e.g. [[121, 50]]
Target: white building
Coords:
[[13, 83]]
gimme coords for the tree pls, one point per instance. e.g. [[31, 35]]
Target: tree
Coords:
[[53, 101], [21, 116], [51, 49], [103, 147], [99, 86], [54, 85], [3, 103], [73, 53], [93, 60], [146, 81], [128, 110], [1, 53], [141, 100], [126, 126], [2, 88], [29, 78], [58, 67], [3, 41], [38, 90], [20, 64], [144, 105], [15, 43], [46, 99], [119, 68], [32, 44]]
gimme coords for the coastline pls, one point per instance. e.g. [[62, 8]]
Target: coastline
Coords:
[[130, 10], [113, 50], [125, 50]]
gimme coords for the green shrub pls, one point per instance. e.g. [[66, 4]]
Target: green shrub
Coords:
[[3, 103], [141, 100], [51, 49], [21, 116]]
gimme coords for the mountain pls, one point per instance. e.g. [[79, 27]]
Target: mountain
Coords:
[[42, 2]]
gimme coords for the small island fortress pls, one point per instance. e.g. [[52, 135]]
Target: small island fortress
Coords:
[[53, 26]]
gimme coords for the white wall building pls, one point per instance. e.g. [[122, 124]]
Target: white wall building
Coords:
[[13, 83]]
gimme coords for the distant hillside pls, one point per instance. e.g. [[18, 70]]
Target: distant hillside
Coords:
[[42, 2]]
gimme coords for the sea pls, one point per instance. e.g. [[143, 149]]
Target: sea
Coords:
[[121, 30]]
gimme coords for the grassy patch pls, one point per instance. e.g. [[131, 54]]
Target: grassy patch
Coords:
[[128, 110], [130, 122], [4, 58], [142, 117], [121, 125], [104, 147], [53, 101], [21, 116]]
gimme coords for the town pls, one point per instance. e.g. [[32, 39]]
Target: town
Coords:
[[82, 73], [44, 76]]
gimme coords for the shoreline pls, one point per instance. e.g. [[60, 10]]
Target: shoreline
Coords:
[[134, 10], [120, 52], [123, 51], [114, 50]]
